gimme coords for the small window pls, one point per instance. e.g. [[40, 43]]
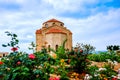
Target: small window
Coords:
[[48, 48], [61, 24], [3, 55], [56, 47], [46, 25], [53, 23]]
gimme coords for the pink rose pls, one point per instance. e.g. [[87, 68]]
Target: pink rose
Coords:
[[54, 78], [51, 78], [31, 56]]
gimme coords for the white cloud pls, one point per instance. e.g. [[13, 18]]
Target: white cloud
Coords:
[[64, 5], [81, 6], [99, 29]]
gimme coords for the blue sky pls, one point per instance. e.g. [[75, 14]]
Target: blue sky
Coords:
[[95, 22]]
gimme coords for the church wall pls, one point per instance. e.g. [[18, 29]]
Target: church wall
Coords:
[[39, 41], [55, 39]]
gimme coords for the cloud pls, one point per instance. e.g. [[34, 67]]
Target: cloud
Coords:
[[90, 21], [99, 30]]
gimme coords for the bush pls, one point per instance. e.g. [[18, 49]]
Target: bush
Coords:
[[22, 66], [103, 56], [78, 57]]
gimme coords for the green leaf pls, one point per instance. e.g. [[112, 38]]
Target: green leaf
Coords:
[[4, 45], [14, 76], [37, 71], [8, 44], [23, 73], [52, 70], [12, 43], [9, 34], [14, 35], [16, 69], [17, 40], [26, 69], [1, 73]]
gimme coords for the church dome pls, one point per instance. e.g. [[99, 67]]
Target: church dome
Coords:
[[52, 20]]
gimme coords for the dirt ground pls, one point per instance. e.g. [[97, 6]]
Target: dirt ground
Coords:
[[100, 64]]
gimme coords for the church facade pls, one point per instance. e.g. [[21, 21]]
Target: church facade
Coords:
[[52, 34]]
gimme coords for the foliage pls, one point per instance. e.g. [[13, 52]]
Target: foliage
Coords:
[[41, 65], [22, 66], [87, 48], [61, 51], [32, 47], [113, 47], [92, 69], [14, 41], [104, 73], [103, 56], [78, 57]]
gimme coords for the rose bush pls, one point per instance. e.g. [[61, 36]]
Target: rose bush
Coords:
[[23, 66]]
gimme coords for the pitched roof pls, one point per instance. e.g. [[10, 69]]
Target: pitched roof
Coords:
[[53, 30], [53, 20], [38, 31]]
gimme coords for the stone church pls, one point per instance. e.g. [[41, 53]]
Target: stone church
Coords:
[[52, 35]]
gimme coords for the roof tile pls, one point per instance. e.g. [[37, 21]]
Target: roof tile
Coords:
[[38, 31], [53, 30], [53, 20]]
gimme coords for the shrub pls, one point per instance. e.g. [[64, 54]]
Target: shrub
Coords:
[[78, 57], [36, 66], [103, 56]]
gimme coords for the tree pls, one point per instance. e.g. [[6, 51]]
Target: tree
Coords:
[[113, 47]]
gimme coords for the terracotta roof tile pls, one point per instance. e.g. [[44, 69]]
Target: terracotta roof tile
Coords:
[[38, 31], [53, 20], [55, 31]]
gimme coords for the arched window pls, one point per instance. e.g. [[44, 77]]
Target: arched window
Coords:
[[48, 48], [56, 47]]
